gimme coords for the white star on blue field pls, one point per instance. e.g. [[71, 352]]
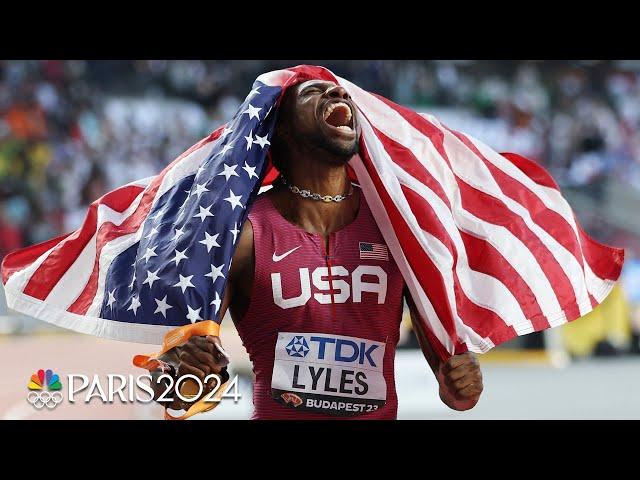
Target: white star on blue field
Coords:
[[176, 273]]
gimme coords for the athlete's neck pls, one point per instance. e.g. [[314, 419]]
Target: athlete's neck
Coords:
[[312, 215]]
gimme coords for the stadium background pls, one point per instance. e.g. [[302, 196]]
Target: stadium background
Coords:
[[72, 130]]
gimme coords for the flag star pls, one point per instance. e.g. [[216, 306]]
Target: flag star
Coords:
[[253, 92], [215, 272], [179, 256], [194, 315], [184, 283], [201, 169], [234, 200], [250, 170], [133, 281], [252, 111], [229, 171], [151, 252], [204, 212], [158, 214], [135, 304], [111, 300], [200, 189], [235, 232], [162, 306], [216, 302], [151, 277], [262, 141], [249, 139], [225, 149], [153, 232], [225, 132], [210, 241], [178, 234]]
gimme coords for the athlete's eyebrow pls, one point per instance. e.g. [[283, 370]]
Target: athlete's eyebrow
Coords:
[[316, 85]]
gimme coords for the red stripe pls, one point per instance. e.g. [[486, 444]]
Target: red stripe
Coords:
[[532, 170], [428, 274], [494, 211], [484, 321], [605, 261], [483, 257], [49, 273], [551, 222], [598, 256], [21, 259], [108, 231]]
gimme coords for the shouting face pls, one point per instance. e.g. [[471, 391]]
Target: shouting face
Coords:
[[321, 115]]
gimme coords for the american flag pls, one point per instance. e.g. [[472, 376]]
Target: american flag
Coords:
[[487, 245], [374, 251]]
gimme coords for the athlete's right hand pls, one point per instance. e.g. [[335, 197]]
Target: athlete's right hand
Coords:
[[199, 356]]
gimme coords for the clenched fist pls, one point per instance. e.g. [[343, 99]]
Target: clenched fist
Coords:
[[460, 381], [199, 356]]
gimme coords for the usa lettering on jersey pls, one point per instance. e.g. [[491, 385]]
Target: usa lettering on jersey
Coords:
[[345, 285]]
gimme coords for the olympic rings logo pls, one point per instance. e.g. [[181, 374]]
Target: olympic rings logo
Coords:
[[44, 399]]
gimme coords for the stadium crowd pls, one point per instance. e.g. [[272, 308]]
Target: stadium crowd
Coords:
[[72, 130]]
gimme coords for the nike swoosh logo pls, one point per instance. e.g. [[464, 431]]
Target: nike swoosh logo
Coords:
[[277, 258]]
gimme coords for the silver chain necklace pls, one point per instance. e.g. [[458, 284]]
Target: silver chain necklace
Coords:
[[315, 196]]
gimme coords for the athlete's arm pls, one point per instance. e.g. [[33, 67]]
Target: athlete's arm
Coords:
[[459, 377], [204, 355]]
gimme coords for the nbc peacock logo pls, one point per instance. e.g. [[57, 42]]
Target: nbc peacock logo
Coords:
[[44, 390]]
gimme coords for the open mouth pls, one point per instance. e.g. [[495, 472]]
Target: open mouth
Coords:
[[338, 115]]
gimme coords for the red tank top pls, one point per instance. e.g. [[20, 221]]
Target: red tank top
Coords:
[[322, 326]]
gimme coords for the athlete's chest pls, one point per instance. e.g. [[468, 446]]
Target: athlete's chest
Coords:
[[352, 267]]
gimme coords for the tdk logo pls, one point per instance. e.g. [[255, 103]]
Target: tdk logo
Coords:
[[345, 350], [297, 347]]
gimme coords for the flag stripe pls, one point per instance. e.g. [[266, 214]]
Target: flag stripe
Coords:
[[440, 296], [521, 255], [492, 206], [424, 205], [66, 252]]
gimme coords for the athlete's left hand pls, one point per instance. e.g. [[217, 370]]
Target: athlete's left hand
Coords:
[[460, 381]]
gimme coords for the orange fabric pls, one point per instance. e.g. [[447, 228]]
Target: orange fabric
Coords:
[[174, 338]]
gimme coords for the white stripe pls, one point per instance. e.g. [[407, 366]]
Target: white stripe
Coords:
[[477, 174], [74, 280], [396, 127], [100, 327], [514, 250], [511, 247], [277, 78], [551, 198], [424, 306], [476, 285], [71, 284], [19, 279], [383, 164]]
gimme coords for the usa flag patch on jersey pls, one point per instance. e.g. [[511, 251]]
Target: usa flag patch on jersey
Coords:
[[375, 251]]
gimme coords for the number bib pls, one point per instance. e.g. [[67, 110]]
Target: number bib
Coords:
[[331, 374]]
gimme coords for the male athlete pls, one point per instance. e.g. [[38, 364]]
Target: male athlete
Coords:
[[314, 293]]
